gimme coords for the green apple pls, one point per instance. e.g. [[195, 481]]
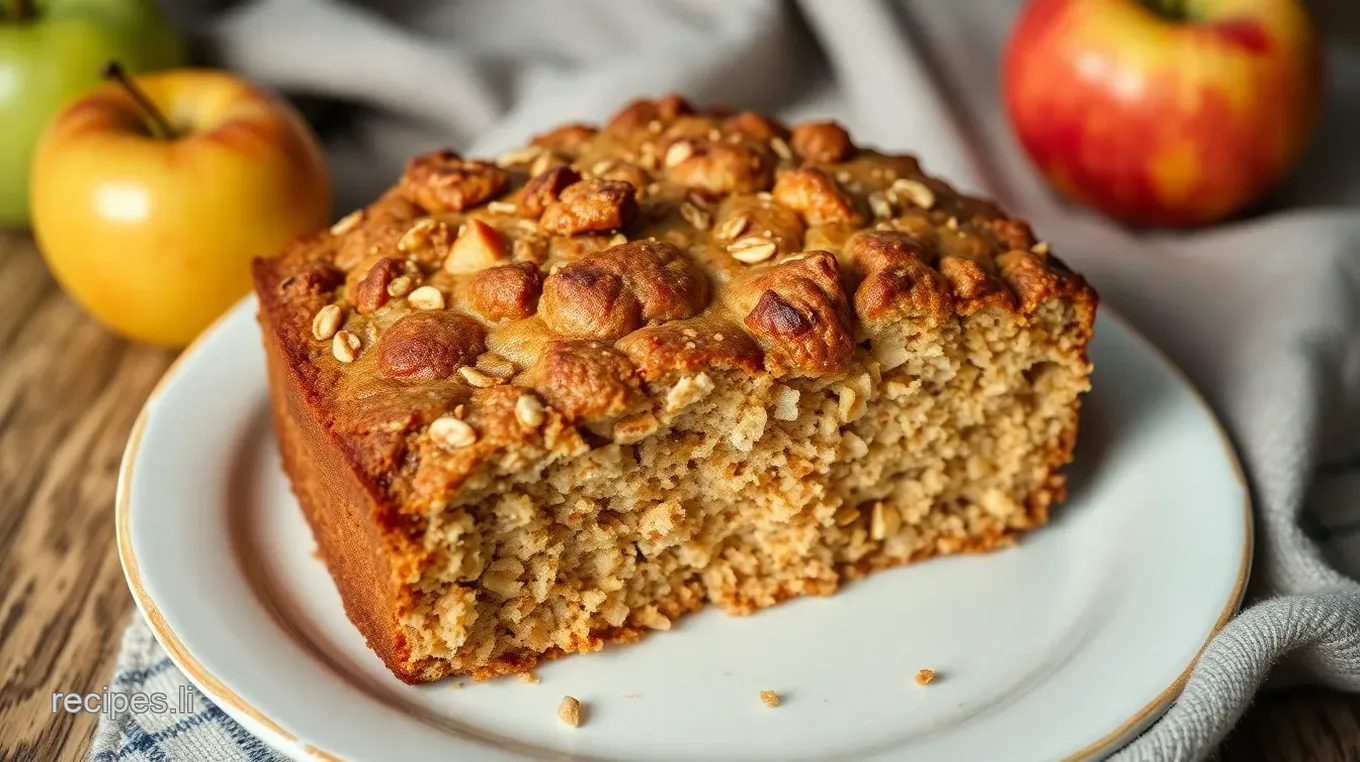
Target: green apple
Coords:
[[52, 51]]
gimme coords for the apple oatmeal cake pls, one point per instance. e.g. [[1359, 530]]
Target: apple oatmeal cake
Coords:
[[533, 404]]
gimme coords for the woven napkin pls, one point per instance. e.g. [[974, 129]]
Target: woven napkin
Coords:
[[1263, 313]]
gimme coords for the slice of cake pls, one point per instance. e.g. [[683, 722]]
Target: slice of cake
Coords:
[[562, 397]]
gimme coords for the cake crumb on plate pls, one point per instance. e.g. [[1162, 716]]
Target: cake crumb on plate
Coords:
[[925, 676], [569, 711], [770, 698]]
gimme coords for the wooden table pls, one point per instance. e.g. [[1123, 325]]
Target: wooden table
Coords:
[[69, 391]]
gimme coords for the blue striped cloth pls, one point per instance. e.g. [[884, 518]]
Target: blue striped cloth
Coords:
[[193, 730]]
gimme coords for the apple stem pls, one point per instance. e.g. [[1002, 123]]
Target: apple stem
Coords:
[[1171, 10], [23, 9], [155, 120]]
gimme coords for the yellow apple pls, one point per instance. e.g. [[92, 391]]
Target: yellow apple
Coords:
[[150, 198]]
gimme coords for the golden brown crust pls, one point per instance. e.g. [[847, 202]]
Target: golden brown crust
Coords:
[[798, 312], [821, 142], [691, 345], [379, 228], [371, 292], [444, 182], [507, 292], [966, 256], [758, 126], [543, 190], [350, 515], [719, 167], [590, 206], [585, 379], [745, 218], [898, 280], [610, 294], [568, 137], [601, 262], [429, 346], [815, 195], [640, 113]]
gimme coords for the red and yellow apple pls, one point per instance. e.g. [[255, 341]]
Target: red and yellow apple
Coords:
[[151, 197], [1164, 112]]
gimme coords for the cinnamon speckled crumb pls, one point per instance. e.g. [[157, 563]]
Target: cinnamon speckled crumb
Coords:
[[925, 676], [770, 698], [569, 711]]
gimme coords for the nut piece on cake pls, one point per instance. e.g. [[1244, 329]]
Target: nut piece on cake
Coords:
[[535, 404]]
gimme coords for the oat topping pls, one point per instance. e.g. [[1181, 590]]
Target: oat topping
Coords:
[[326, 322], [781, 148], [543, 163], [635, 428], [496, 365], [345, 346], [426, 298], [913, 192], [477, 378], [451, 432], [695, 216], [752, 249], [529, 411], [732, 227], [418, 235], [348, 222], [881, 206], [399, 287], [520, 156], [679, 153]]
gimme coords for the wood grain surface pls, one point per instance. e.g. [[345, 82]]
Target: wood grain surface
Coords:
[[69, 391]]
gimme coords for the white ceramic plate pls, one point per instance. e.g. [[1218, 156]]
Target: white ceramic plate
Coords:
[[1066, 646]]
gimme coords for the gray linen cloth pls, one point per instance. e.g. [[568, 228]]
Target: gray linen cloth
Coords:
[[1263, 313]]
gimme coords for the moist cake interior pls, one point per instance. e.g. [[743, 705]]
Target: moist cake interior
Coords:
[[744, 502]]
